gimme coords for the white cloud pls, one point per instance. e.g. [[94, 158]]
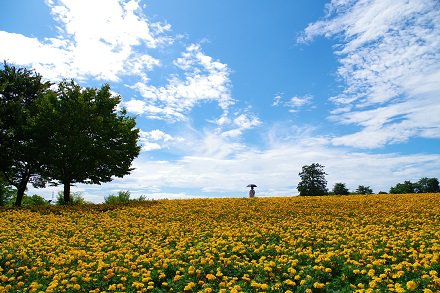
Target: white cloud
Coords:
[[203, 80], [276, 100], [388, 56], [150, 140], [224, 167], [212, 164], [276, 168], [98, 38], [298, 102], [294, 103]]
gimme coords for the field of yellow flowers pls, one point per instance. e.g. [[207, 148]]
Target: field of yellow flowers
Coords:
[[372, 243]]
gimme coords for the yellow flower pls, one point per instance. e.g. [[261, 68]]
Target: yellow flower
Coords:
[[112, 287], [411, 285], [211, 277], [189, 286], [318, 285]]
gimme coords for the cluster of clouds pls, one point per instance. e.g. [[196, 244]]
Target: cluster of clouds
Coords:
[[202, 79], [100, 39], [388, 53], [217, 167]]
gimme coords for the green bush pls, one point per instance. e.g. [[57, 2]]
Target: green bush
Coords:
[[28, 201], [76, 198], [122, 196]]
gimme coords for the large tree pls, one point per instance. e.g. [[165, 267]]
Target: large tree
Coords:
[[88, 139], [427, 185], [313, 182], [20, 89]]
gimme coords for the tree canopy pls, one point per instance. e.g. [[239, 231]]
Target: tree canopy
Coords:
[[64, 136], [340, 189], [364, 190], [19, 149], [424, 185], [313, 182], [88, 139]]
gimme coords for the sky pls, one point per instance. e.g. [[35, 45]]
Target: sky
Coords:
[[228, 93]]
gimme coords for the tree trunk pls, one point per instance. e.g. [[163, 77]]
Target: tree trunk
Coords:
[[20, 195], [67, 192], [21, 188]]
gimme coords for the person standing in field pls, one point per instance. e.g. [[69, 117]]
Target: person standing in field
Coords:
[[252, 191]]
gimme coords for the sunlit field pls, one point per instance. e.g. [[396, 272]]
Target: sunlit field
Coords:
[[372, 243]]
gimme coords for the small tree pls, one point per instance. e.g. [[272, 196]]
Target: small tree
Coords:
[[313, 182], [364, 190], [89, 141], [340, 189]]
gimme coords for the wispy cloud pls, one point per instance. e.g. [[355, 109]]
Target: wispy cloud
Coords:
[[202, 79], [224, 167], [240, 123], [388, 54], [294, 104], [99, 39]]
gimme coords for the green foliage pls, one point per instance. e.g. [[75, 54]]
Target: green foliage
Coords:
[[427, 185], [35, 200], [340, 189], [76, 198], [123, 197], [90, 141], [424, 185], [29, 201], [364, 190], [141, 198], [20, 151], [313, 182], [120, 197], [6, 192], [405, 187]]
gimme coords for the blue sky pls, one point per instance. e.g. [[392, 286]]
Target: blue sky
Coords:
[[228, 93]]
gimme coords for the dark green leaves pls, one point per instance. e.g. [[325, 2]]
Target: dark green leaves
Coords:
[[313, 181]]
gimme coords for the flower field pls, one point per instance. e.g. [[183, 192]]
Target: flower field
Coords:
[[372, 243]]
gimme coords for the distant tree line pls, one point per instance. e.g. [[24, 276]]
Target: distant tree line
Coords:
[[313, 183], [8, 197], [60, 134]]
